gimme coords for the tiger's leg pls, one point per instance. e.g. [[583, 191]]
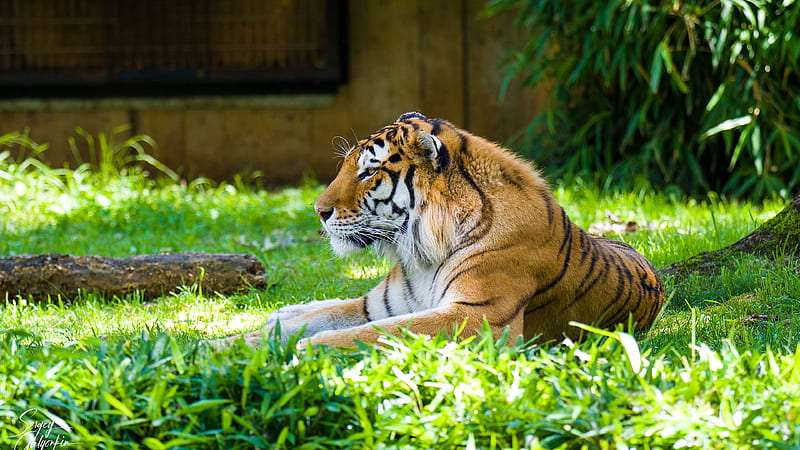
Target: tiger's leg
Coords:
[[431, 322], [310, 318], [292, 311]]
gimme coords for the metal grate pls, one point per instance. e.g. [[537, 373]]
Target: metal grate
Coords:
[[102, 42]]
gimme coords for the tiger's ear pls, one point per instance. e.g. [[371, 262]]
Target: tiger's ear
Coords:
[[405, 117], [435, 150]]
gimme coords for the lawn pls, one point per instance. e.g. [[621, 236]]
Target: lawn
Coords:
[[97, 372]]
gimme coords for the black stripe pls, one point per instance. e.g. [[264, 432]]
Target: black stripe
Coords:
[[471, 182], [640, 263], [641, 294], [652, 314], [622, 312], [366, 311], [549, 201], [438, 269], [462, 144], [618, 295], [567, 229], [656, 306], [397, 210], [378, 142], [488, 302], [466, 260], [480, 229], [409, 180], [588, 287], [565, 244], [443, 159], [564, 267], [404, 227], [454, 277], [586, 247], [394, 176], [643, 290], [437, 127], [408, 288], [386, 300], [646, 292], [415, 230], [485, 251], [523, 303], [364, 203], [513, 180], [507, 319]]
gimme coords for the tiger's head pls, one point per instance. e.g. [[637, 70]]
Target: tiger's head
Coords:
[[385, 193]]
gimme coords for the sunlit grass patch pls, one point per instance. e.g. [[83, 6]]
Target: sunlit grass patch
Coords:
[[185, 313]]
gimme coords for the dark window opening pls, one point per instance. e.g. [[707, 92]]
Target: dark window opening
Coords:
[[101, 47]]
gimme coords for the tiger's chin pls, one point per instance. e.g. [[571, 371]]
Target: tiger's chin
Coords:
[[344, 246]]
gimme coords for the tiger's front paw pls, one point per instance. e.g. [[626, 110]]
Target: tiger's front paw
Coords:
[[252, 339], [331, 338]]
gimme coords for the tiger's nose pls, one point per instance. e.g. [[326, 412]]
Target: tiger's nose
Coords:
[[324, 213]]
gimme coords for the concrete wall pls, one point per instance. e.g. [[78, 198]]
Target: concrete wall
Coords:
[[438, 57]]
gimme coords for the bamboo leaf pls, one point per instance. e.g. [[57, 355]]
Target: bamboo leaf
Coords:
[[714, 100], [743, 138], [655, 72], [755, 146], [728, 125], [666, 57]]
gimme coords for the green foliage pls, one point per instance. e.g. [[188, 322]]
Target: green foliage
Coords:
[[114, 166], [751, 302], [154, 392], [97, 372], [108, 156], [697, 94]]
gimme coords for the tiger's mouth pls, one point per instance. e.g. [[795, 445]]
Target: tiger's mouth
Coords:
[[346, 238], [361, 240], [364, 237]]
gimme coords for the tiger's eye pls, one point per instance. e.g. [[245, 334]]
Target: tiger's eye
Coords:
[[367, 173]]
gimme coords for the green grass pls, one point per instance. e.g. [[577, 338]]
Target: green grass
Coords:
[[122, 373]]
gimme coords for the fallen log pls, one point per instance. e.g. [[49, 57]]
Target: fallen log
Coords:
[[39, 276]]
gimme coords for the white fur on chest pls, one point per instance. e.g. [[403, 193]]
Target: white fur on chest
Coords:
[[405, 292]]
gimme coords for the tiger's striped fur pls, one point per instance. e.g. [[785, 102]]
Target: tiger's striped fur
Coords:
[[476, 235]]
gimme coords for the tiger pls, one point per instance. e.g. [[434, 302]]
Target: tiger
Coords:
[[476, 238]]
